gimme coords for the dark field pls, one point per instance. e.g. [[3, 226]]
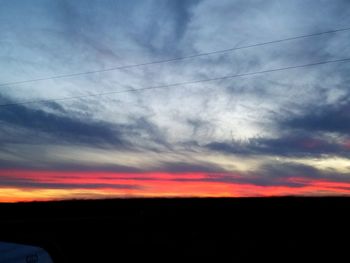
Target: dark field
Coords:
[[237, 230]]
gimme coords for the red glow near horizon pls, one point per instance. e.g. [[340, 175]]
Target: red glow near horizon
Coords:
[[50, 185], [311, 143], [347, 145]]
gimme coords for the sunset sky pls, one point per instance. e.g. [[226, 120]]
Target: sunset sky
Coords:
[[278, 133]]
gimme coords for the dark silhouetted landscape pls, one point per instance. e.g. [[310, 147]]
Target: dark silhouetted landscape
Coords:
[[125, 230]]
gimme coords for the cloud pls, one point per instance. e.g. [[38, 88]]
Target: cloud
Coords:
[[290, 145], [162, 26], [326, 118], [275, 173], [58, 126], [269, 179], [182, 167], [10, 182], [278, 174], [297, 146], [62, 128], [205, 127]]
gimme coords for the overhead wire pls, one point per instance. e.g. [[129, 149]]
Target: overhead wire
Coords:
[[222, 51], [180, 83]]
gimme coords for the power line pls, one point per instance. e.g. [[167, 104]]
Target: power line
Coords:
[[181, 83], [223, 51]]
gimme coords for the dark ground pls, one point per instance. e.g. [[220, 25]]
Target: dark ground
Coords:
[[237, 230]]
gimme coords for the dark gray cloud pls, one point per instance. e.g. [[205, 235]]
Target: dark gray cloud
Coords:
[[10, 181], [291, 145], [21, 123], [182, 167], [325, 118], [62, 128], [294, 145], [233, 147], [62, 166]]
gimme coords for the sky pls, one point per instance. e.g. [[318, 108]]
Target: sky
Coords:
[[273, 134]]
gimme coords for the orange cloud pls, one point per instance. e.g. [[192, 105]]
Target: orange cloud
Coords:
[[28, 185]]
